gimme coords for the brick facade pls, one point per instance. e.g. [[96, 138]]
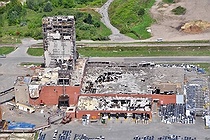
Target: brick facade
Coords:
[[49, 95]]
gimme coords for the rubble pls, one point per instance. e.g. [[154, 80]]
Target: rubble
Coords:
[[136, 78], [114, 103], [193, 27]]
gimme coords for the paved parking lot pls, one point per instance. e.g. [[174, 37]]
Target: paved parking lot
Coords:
[[127, 129]]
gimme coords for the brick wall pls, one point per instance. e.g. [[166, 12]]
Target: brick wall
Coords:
[[49, 95]]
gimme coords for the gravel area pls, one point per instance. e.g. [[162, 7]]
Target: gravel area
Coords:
[[167, 24]]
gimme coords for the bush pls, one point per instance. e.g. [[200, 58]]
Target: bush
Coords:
[[141, 12], [168, 1], [31, 4], [179, 10], [88, 19], [48, 7]]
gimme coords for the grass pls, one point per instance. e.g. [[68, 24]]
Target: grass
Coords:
[[141, 27], [7, 39], [6, 50], [35, 51], [143, 51], [124, 16], [134, 51]]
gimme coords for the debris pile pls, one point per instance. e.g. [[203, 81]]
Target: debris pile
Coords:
[[194, 27], [114, 103]]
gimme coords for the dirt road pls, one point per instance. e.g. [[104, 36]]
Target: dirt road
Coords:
[[116, 35]]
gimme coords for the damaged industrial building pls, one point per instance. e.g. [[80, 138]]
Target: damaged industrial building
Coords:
[[107, 89]]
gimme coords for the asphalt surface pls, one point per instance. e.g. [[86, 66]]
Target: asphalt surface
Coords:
[[10, 66], [114, 129], [10, 69], [127, 129]]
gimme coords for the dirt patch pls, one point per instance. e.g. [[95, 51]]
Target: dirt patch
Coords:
[[194, 23]]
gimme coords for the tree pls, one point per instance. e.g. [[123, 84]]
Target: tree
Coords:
[[88, 20], [15, 12], [30, 4], [48, 7], [13, 18], [35, 5], [68, 3]]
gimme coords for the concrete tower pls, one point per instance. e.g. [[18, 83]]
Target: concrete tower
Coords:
[[59, 41]]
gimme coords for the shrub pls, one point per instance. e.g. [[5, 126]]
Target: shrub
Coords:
[[88, 19], [48, 7], [141, 12], [179, 10]]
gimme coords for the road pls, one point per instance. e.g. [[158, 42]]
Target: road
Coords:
[[10, 68]]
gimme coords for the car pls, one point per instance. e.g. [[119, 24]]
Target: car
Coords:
[[56, 131], [2, 56]]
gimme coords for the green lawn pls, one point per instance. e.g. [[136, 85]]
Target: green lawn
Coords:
[[6, 50], [143, 51], [134, 51], [35, 51]]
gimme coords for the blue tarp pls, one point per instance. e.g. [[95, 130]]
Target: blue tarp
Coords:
[[200, 70], [20, 125]]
